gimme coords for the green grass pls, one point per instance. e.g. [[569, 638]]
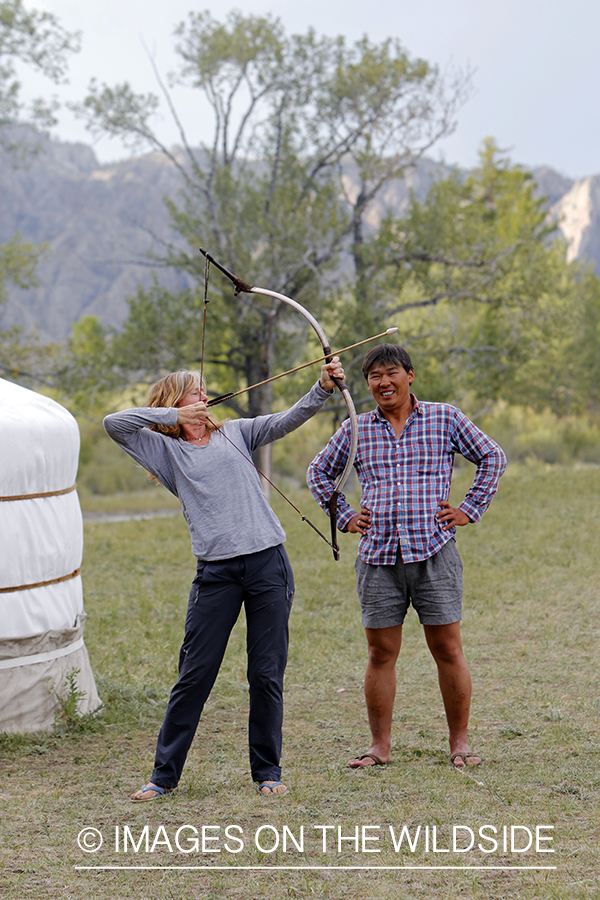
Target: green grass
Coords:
[[151, 497], [530, 631]]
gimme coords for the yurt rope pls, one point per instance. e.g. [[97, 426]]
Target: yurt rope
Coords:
[[44, 494], [37, 584]]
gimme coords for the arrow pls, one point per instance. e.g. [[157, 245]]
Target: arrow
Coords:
[[222, 397]]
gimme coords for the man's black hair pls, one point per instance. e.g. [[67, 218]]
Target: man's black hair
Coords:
[[386, 353]]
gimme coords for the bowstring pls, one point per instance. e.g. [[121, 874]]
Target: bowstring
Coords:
[[206, 275], [281, 494]]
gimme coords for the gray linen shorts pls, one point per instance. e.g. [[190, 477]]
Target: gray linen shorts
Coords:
[[434, 586]]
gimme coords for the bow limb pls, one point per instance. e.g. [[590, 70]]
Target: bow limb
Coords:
[[343, 388]]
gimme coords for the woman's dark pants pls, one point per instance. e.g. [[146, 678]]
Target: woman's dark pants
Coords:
[[264, 583]]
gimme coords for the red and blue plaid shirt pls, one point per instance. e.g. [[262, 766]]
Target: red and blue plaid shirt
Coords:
[[404, 478]]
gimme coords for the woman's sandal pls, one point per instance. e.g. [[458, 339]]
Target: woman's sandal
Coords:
[[159, 792], [270, 785]]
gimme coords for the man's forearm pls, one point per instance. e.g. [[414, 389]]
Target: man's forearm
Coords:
[[485, 484]]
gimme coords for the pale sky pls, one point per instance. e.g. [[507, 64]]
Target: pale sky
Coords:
[[536, 64]]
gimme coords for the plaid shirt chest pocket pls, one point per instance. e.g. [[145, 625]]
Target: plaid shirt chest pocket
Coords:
[[421, 456], [426, 461]]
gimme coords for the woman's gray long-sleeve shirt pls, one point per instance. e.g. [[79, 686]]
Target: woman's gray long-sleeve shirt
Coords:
[[221, 495]]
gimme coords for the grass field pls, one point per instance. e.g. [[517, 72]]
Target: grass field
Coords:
[[531, 634]]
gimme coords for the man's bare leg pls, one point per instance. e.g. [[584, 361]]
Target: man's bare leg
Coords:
[[380, 691], [455, 684]]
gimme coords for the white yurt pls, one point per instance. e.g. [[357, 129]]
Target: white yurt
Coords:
[[41, 546]]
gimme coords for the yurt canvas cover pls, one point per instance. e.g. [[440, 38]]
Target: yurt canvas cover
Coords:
[[41, 546]]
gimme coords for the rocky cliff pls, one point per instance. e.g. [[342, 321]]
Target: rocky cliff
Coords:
[[100, 224], [578, 215]]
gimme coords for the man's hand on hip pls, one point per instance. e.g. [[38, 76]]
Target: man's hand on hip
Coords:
[[449, 516], [360, 523]]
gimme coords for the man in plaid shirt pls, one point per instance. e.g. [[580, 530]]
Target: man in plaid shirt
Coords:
[[407, 552]]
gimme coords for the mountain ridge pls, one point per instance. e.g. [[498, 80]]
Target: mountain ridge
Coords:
[[101, 222]]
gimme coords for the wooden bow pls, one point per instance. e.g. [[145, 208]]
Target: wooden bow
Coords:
[[242, 287]]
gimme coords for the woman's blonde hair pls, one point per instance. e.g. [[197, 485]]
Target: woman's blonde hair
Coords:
[[168, 391]]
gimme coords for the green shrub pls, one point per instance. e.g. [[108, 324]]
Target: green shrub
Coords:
[[546, 437]]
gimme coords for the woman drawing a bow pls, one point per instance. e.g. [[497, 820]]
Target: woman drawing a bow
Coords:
[[238, 542]]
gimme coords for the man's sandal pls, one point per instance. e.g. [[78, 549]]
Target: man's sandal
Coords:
[[353, 764], [465, 755]]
